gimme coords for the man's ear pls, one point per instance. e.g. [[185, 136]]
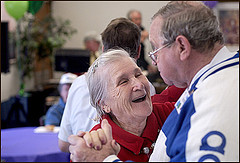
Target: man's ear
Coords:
[[184, 47], [102, 48]]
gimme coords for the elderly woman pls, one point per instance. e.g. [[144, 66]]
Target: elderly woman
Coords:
[[120, 93]]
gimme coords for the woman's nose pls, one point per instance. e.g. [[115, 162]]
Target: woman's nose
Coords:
[[137, 85]]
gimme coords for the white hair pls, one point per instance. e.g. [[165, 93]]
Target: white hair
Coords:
[[96, 80]]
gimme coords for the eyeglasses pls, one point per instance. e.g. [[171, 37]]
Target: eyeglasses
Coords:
[[152, 54]]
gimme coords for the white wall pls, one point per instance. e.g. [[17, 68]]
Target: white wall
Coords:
[[95, 15]]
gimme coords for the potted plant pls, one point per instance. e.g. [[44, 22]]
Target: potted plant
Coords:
[[38, 39]]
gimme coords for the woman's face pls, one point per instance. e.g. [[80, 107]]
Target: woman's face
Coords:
[[128, 91]]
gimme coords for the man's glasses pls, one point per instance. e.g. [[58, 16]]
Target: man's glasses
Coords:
[[152, 54]]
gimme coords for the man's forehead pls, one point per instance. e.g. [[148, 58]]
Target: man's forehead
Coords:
[[156, 22], [155, 29]]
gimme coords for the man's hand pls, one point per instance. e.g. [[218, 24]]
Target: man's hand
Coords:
[[101, 140]]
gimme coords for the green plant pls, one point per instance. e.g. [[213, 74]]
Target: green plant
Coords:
[[37, 39]]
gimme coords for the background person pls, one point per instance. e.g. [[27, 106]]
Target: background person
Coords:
[[152, 74], [92, 42], [204, 123], [136, 17], [126, 36], [55, 112]]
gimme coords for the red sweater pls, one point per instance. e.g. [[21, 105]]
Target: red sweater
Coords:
[[132, 145], [171, 94]]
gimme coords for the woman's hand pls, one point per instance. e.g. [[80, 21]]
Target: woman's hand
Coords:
[[94, 139], [93, 146]]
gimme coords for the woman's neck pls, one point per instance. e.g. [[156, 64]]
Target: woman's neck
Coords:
[[135, 127]]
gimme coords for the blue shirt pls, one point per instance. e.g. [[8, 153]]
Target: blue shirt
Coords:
[[204, 126], [54, 113]]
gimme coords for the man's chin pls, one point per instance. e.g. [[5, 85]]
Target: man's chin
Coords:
[[168, 82]]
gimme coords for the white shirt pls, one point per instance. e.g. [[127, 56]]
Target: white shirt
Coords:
[[79, 113]]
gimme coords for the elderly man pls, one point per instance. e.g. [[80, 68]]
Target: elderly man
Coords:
[[92, 42], [189, 51], [136, 17]]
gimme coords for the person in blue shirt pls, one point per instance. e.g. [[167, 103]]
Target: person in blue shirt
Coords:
[[55, 112]]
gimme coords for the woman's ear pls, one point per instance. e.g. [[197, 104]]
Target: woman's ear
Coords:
[[184, 47], [104, 107]]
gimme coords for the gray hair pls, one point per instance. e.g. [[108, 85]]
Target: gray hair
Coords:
[[97, 83], [193, 20], [129, 14], [92, 35]]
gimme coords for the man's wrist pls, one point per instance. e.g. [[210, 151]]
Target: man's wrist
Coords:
[[112, 158]]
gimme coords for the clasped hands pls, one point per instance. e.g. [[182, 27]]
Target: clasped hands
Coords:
[[93, 146]]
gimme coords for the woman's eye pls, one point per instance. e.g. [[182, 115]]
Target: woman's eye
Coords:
[[123, 82]]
